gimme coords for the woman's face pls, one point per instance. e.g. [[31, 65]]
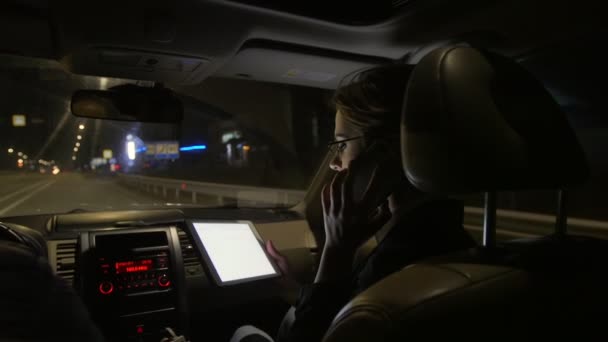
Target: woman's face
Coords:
[[348, 150]]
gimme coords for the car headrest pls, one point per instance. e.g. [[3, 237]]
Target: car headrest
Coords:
[[475, 121]]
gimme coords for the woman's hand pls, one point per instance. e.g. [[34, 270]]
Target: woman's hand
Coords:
[[348, 225], [287, 279]]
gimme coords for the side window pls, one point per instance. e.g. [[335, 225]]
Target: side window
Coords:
[[569, 72], [256, 134], [532, 213]]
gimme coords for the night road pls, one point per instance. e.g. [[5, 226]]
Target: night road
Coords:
[[27, 194]]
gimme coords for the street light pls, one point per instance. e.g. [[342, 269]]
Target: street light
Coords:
[[10, 150], [75, 149], [25, 156], [77, 144], [79, 137], [20, 154], [131, 150], [73, 157], [81, 127]]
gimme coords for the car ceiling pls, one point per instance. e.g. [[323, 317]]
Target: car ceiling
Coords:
[[186, 41]]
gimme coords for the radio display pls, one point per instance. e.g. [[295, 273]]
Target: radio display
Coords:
[[131, 266]]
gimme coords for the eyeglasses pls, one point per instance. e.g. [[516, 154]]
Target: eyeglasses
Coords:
[[338, 146]]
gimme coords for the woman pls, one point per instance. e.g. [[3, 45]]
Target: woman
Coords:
[[410, 225]]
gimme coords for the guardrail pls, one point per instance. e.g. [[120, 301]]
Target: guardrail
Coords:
[[509, 223], [243, 195], [524, 224]]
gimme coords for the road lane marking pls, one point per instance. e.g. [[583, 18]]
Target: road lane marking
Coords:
[[16, 193], [25, 198]]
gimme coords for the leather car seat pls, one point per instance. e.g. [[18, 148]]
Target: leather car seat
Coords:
[[36, 305], [474, 121]]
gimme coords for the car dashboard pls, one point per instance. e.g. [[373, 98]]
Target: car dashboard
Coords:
[[139, 272]]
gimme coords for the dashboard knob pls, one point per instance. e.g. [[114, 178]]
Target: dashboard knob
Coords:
[[163, 281], [106, 287]]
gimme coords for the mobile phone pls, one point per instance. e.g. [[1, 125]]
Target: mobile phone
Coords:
[[380, 162]]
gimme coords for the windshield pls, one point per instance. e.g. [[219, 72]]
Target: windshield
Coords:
[[241, 143]]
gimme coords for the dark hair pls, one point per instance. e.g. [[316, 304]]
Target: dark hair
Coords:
[[372, 100]]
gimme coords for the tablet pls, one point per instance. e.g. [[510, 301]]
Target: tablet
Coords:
[[233, 250]]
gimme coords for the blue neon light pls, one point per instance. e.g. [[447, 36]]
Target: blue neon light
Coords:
[[141, 149], [193, 148]]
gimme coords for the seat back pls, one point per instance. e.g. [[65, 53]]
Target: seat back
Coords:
[[36, 305], [431, 301], [478, 122]]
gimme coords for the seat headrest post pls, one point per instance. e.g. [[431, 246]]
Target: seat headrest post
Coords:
[[489, 220], [561, 217]]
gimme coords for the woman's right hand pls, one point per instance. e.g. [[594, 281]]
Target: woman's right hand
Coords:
[[349, 225], [287, 279]]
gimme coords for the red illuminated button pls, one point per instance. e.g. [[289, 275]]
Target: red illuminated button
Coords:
[[163, 281], [106, 288], [140, 329]]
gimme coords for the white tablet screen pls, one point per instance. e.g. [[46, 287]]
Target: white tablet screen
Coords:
[[234, 250]]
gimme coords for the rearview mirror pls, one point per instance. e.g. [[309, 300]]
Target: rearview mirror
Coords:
[[129, 102]]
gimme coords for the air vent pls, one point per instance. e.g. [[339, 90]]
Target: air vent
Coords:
[[66, 260], [188, 252]]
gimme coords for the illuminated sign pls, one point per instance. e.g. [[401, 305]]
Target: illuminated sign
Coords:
[[131, 150], [150, 149], [167, 148], [107, 154], [163, 149], [226, 137], [193, 148], [19, 120]]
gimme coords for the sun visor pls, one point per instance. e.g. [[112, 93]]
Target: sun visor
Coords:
[[138, 65], [298, 66]]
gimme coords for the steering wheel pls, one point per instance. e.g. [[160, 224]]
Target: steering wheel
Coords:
[[25, 236]]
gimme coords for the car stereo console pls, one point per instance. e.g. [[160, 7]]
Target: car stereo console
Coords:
[[132, 282], [141, 272]]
